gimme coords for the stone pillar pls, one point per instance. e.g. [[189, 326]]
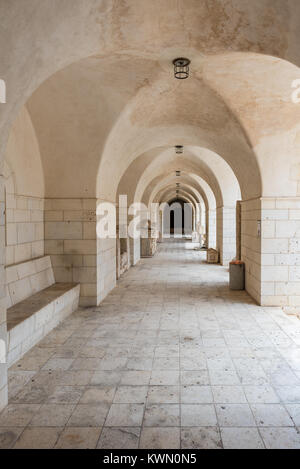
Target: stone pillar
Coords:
[[122, 255], [211, 229], [148, 241], [280, 252], [226, 233], [106, 263], [3, 327], [238, 229], [271, 250], [135, 246], [251, 246]]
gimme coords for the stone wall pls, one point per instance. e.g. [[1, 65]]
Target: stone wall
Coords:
[[250, 246], [271, 250], [3, 329], [70, 240], [106, 267], [24, 228], [226, 233], [280, 251], [211, 228]]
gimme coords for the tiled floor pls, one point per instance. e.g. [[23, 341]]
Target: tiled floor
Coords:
[[170, 359]]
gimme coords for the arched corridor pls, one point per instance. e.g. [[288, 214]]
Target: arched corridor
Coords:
[[100, 296], [193, 366]]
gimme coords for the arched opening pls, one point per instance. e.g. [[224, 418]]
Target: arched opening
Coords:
[[178, 218], [93, 116]]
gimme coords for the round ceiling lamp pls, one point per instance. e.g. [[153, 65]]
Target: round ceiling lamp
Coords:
[[178, 173], [179, 149], [181, 68]]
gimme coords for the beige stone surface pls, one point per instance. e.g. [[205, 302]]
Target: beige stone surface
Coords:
[[93, 111]]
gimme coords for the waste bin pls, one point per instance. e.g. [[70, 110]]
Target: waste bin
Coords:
[[212, 256], [237, 275]]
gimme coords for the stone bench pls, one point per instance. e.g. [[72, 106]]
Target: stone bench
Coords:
[[35, 304]]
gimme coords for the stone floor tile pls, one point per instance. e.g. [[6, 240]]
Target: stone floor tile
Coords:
[[18, 415], [65, 395], [58, 364], [162, 415], [8, 436], [119, 438], [89, 415], [38, 438], [140, 363], [229, 395], [164, 378], [198, 415], [200, 438], [97, 395], [52, 415], [280, 438], [125, 415], [235, 415], [160, 438], [289, 394], [196, 395], [76, 378], [106, 378], [163, 395], [17, 380], [261, 395], [78, 438], [194, 378], [224, 377], [166, 363], [294, 411], [271, 415], [241, 438], [131, 395]]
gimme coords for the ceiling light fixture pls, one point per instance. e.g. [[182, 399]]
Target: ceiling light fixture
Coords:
[[181, 68], [179, 149], [178, 173]]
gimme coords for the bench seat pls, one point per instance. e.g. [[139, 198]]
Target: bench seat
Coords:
[[30, 319]]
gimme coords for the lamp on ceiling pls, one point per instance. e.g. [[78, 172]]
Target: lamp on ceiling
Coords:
[[178, 173], [181, 68], [179, 149]]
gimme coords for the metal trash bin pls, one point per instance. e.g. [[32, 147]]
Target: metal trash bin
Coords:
[[237, 275]]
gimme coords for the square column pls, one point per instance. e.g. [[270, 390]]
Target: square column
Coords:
[[211, 229], [135, 246], [271, 250], [226, 233]]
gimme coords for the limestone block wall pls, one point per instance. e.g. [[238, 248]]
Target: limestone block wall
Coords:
[[135, 250], [280, 251], [238, 229], [135, 244], [106, 267], [251, 246], [106, 254], [3, 328], [212, 227], [226, 233], [70, 240], [24, 237]]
